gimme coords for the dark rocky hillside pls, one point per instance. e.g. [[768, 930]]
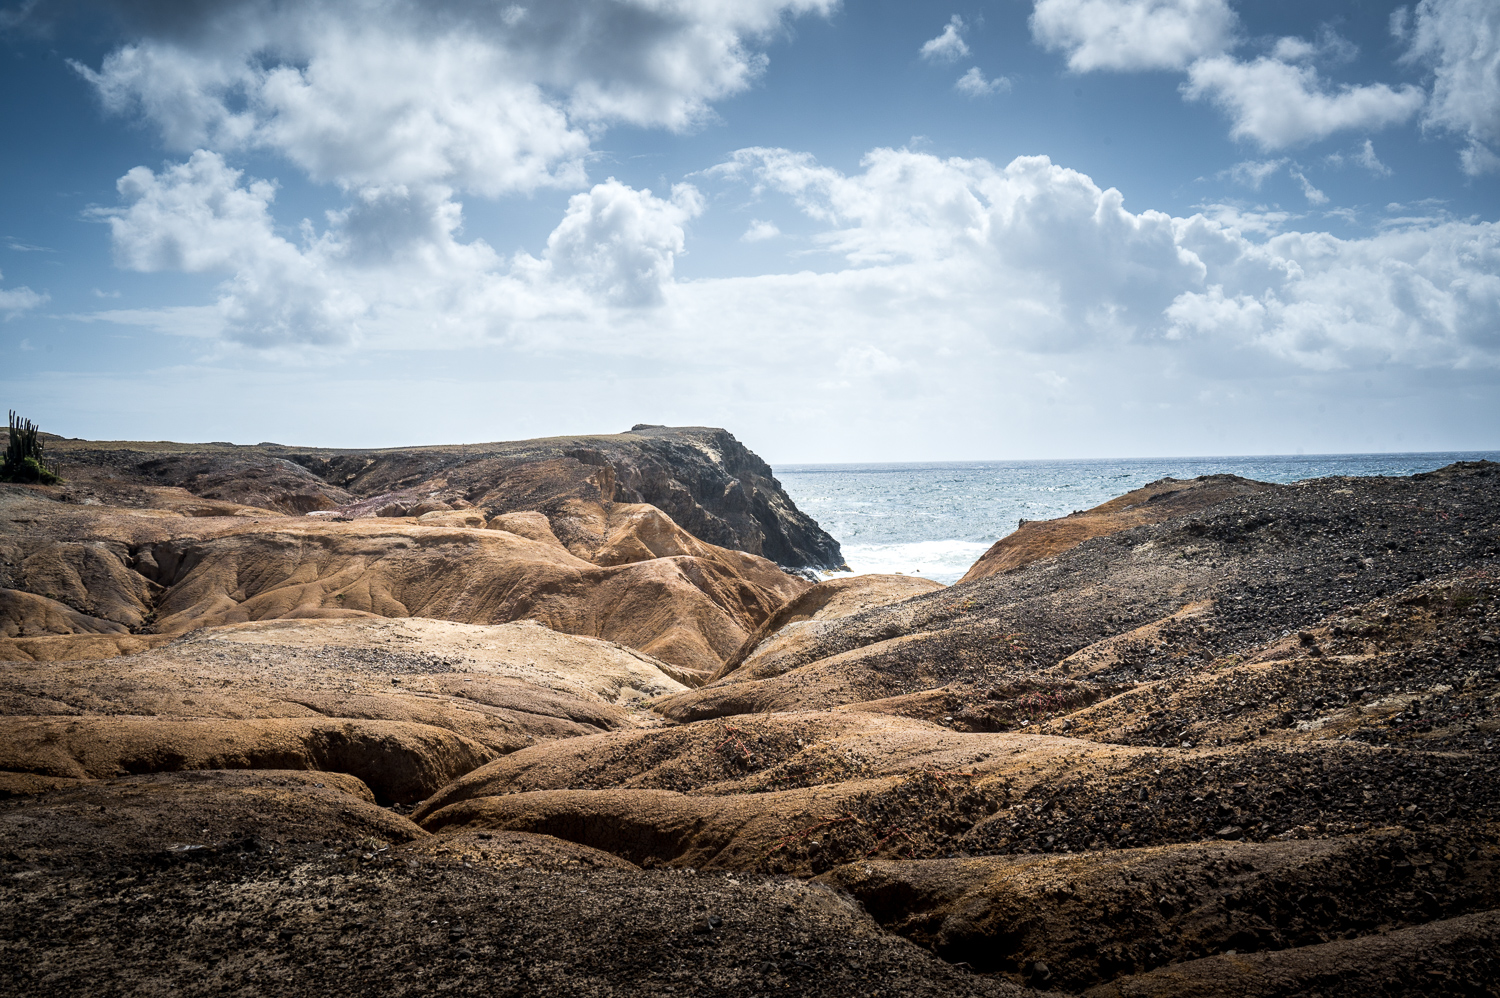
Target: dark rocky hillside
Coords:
[[708, 482]]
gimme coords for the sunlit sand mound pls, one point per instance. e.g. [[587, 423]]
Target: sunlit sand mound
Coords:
[[783, 793], [946, 791], [795, 625], [400, 761], [405, 705]]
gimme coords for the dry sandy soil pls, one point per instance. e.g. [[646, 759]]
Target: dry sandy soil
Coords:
[[1212, 738]]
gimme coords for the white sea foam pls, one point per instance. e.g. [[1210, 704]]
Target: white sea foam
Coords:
[[942, 561]]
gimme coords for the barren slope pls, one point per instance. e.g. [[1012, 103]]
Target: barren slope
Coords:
[[1223, 738]]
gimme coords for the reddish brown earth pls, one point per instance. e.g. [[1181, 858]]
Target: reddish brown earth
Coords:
[[1213, 738]]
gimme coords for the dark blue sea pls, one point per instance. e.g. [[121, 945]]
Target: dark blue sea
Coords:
[[935, 520]]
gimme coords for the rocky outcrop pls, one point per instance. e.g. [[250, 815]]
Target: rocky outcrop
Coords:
[[221, 472], [704, 479], [715, 488], [1161, 500]]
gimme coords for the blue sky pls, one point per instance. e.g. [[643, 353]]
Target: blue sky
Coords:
[[858, 231]]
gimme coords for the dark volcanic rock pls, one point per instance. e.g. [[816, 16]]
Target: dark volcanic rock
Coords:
[[357, 918], [719, 491], [1149, 602], [1176, 904]]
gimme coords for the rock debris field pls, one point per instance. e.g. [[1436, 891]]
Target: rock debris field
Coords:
[[568, 717]]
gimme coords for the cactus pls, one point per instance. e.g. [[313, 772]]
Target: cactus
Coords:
[[24, 460]]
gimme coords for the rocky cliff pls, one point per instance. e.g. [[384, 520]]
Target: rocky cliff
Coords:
[[708, 482]]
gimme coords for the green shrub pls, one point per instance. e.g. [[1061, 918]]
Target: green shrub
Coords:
[[24, 460]]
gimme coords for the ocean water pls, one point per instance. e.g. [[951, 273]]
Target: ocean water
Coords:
[[935, 520]]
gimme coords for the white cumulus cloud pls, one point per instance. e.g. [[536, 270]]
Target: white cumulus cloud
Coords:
[[1278, 104], [1037, 257], [974, 84], [1133, 34], [1276, 100], [472, 96], [390, 265], [197, 216], [1418, 296], [14, 301], [759, 231], [948, 46], [1030, 251], [938, 263], [622, 243], [1460, 40], [405, 106], [194, 216]]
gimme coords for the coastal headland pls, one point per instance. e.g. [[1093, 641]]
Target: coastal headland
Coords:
[[573, 717]]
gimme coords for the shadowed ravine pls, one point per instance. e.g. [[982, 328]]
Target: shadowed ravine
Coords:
[[559, 717]]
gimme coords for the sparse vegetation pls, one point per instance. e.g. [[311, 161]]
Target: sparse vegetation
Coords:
[[24, 457]]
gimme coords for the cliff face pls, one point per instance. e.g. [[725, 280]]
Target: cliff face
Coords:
[[715, 488], [702, 477]]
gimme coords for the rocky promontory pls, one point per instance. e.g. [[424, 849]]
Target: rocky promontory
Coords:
[[708, 482], [550, 719]]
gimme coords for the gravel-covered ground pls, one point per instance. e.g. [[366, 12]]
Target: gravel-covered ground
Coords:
[[356, 919]]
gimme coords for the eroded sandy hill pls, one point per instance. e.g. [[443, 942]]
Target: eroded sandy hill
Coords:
[[114, 575], [1223, 738]]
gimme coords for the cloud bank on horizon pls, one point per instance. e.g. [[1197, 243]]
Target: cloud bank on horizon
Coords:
[[901, 274]]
